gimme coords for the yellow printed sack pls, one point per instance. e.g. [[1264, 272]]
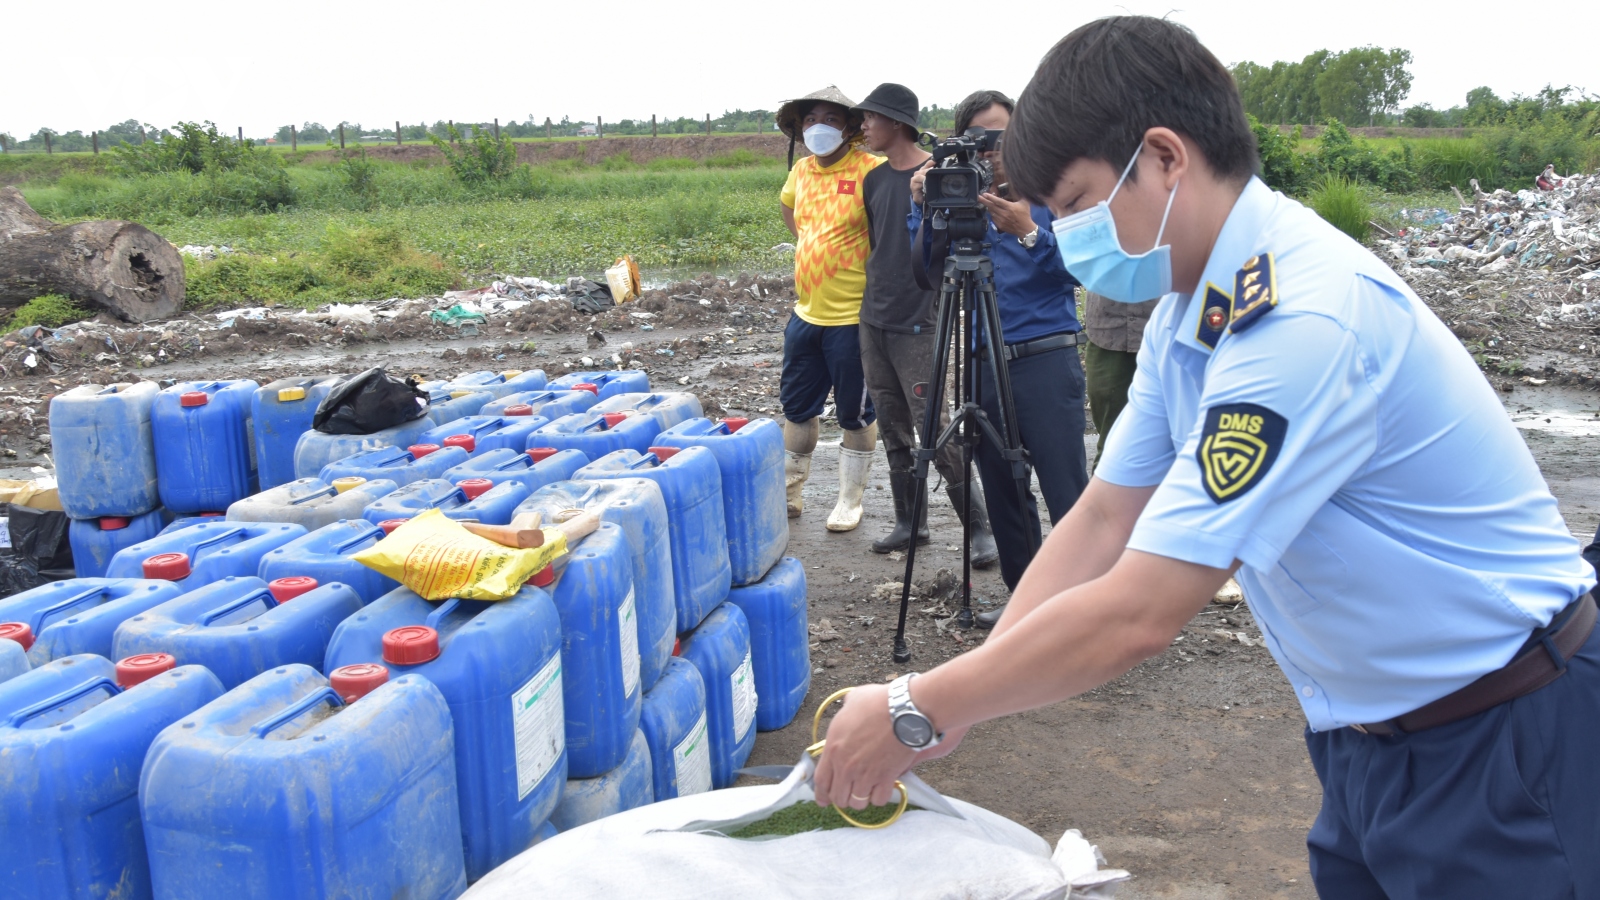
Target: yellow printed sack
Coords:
[[437, 558]]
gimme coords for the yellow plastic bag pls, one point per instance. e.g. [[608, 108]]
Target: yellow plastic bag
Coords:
[[623, 279], [437, 558]]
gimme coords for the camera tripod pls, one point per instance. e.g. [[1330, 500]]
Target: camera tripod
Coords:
[[966, 295]]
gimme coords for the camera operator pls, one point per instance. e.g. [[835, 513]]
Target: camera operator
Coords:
[[897, 318], [1038, 318]]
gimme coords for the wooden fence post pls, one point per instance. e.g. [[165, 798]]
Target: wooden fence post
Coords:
[[497, 128], [708, 124], [341, 135], [94, 141], [547, 128], [653, 125], [241, 134], [294, 138], [47, 150], [141, 133], [449, 136], [599, 128], [397, 141]]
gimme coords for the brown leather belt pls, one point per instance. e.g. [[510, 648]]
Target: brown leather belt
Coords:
[[1542, 660]]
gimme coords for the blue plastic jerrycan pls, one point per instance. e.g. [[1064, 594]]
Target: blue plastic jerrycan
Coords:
[[281, 412], [635, 506], [780, 645], [626, 787], [720, 649], [401, 466], [479, 434], [532, 469], [448, 405], [675, 726], [596, 434], [498, 384], [79, 615], [749, 454], [311, 502], [325, 554], [241, 627], [183, 522], [668, 409], [203, 553], [594, 595], [604, 384], [205, 449], [691, 485], [477, 499], [95, 541], [315, 450], [552, 404], [13, 659], [499, 667], [281, 789], [104, 448], [73, 743]]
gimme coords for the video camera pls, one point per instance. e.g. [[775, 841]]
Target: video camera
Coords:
[[960, 174]]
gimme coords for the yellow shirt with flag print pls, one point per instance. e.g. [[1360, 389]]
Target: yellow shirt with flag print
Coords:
[[830, 256]]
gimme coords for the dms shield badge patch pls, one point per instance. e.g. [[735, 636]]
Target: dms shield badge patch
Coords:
[[1238, 445]]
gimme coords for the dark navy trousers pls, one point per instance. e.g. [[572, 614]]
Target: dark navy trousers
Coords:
[[1503, 804]]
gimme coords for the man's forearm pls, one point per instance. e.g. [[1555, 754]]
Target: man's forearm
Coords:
[[1084, 545], [1070, 642]]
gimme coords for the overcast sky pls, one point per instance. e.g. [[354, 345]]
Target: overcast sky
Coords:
[[92, 63]]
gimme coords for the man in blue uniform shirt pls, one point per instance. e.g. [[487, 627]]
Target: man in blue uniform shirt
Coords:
[[1039, 322], [1300, 418]]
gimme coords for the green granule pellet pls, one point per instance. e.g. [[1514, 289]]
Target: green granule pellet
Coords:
[[803, 817]]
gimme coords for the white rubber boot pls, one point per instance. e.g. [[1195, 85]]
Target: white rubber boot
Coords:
[[796, 469], [853, 468]]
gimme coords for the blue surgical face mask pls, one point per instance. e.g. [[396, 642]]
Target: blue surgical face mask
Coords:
[[1091, 251]]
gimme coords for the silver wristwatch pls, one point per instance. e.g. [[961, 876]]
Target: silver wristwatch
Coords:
[[1029, 239], [911, 727]]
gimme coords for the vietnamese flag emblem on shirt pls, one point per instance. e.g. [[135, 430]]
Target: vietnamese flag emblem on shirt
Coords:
[[847, 187]]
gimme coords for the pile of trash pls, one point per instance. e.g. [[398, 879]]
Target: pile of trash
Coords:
[[1516, 275]]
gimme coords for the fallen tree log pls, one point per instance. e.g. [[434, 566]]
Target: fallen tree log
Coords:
[[123, 268]]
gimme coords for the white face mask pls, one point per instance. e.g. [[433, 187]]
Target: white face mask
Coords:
[[823, 139]]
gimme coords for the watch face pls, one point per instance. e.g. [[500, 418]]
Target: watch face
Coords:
[[913, 730]]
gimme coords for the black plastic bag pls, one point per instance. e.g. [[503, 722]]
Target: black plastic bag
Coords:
[[371, 401], [590, 298], [40, 552]]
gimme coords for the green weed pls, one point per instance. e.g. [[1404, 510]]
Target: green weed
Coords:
[[1341, 202], [49, 310]]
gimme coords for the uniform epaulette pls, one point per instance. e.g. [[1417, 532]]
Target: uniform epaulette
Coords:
[[1213, 316], [1255, 292]]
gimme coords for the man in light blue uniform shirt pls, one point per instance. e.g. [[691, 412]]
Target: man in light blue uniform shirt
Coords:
[[1302, 420]]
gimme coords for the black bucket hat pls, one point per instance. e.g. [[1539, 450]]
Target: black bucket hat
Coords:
[[896, 101]]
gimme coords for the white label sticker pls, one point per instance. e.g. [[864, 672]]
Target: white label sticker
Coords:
[[743, 680], [538, 726], [628, 630], [692, 759], [5, 532]]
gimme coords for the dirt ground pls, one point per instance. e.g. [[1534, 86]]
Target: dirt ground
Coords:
[[1190, 771]]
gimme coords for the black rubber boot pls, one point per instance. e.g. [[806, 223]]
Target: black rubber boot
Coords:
[[984, 553], [989, 617], [903, 485]]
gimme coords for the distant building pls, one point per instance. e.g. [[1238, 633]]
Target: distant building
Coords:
[[586, 131]]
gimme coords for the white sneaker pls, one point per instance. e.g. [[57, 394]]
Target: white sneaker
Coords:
[[853, 468]]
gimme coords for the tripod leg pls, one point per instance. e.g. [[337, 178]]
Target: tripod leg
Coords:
[[1012, 448], [924, 455]]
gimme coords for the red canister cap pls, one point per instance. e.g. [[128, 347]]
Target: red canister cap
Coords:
[[286, 589], [410, 645], [17, 631], [517, 409], [665, 453], [613, 419], [587, 386], [474, 487], [194, 398], [465, 441], [113, 523], [143, 667], [544, 576], [353, 682], [418, 451], [168, 566], [677, 646], [389, 525], [735, 423], [540, 454]]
